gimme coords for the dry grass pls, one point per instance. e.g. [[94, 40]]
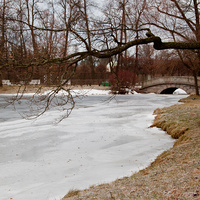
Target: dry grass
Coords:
[[42, 88], [22, 89], [72, 193], [175, 174]]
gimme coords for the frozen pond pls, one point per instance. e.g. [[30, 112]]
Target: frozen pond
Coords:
[[100, 142]]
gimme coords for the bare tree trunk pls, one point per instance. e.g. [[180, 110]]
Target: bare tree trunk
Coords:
[[123, 36], [67, 24], [137, 54], [198, 39], [195, 82], [191, 68], [3, 29], [31, 20], [23, 52], [91, 62], [1, 80]]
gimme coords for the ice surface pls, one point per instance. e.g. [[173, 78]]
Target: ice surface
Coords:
[[101, 141]]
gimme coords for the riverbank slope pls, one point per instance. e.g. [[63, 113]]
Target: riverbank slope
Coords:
[[175, 174]]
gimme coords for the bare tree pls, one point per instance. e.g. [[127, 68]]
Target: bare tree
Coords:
[[69, 17], [136, 19], [3, 9], [180, 20], [96, 41], [3, 12], [21, 14], [88, 32], [32, 10]]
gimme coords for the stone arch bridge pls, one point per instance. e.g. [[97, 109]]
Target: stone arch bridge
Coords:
[[168, 84]]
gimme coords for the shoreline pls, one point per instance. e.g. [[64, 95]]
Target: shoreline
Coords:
[[175, 174], [118, 141]]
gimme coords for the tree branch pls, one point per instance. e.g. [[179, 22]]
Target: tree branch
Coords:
[[151, 38]]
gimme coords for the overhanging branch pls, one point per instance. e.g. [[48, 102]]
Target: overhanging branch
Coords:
[[76, 57]]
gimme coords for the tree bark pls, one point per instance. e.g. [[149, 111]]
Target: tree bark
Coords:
[[3, 30], [196, 82], [91, 61], [1, 80]]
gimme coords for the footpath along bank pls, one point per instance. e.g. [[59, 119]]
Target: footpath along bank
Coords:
[[175, 174]]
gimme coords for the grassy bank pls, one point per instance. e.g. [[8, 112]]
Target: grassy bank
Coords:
[[42, 88], [175, 174]]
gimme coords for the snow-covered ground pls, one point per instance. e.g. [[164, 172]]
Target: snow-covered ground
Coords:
[[101, 141]]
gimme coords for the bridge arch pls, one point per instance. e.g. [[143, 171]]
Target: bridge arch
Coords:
[[169, 90], [168, 85]]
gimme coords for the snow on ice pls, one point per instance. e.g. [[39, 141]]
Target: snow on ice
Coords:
[[101, 141]]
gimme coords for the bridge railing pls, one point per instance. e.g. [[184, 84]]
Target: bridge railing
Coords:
[[187, 80]]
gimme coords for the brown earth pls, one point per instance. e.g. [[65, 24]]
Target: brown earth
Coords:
[[175, 174]]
